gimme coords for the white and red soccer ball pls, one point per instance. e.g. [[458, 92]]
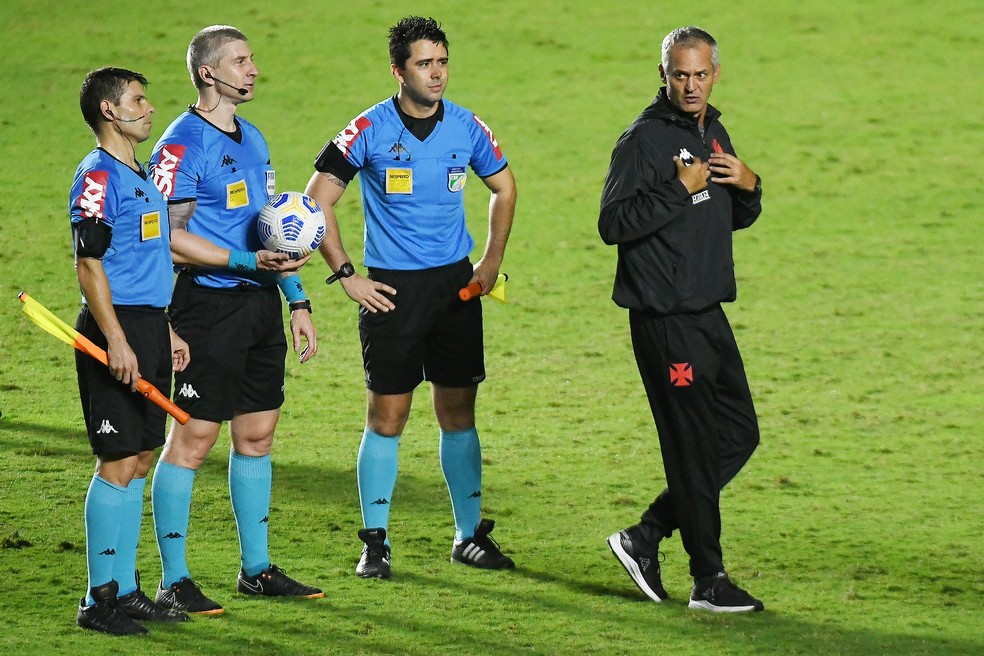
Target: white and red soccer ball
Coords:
[[291, 223]]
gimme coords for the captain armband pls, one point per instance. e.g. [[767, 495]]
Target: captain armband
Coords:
[[92, 237]]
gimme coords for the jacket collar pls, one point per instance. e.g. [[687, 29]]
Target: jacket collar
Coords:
[[661, 107]]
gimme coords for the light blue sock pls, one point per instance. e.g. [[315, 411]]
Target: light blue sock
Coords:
[[131, 516], [250, 480], [461, 461], [376, 469], [170, 496], [103, 513]]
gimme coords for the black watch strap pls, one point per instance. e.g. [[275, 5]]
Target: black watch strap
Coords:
[[344, 271], [301, 305]]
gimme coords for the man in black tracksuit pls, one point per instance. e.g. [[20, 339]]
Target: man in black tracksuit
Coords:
[[675, 192]]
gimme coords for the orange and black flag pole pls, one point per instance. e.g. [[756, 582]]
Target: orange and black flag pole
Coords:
[[43, 317]]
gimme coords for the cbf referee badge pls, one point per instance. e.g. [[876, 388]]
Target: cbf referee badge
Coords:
[[456, 178]]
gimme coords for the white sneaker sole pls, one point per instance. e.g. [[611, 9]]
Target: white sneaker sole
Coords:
[[706, 605], [630, 565]]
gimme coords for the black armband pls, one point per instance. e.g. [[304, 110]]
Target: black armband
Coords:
[[331, 160], [92, 237]]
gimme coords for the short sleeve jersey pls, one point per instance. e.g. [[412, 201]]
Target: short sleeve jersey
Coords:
[[138, 261], [230, 177], [412, 190]]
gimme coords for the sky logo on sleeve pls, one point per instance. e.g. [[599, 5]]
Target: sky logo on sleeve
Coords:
[[92, 200], [167, 166], [491, 137], [347, 137]]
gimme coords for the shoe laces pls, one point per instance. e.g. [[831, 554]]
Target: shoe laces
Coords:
[[486, 541], [377, 551]]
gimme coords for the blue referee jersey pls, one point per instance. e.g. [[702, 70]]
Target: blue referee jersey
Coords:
[[138, 261], [412, 190], [230, 177]]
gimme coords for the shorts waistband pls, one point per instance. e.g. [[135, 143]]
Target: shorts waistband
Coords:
[[240, 287], [134, 309], [437, 269]]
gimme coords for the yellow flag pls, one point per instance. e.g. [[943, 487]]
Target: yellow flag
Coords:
[[42, 316], [498, 291]]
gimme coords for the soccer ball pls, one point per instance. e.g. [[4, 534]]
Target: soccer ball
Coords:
[[291, 223]]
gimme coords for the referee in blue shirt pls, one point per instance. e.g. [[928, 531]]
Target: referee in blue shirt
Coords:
[[412, 153], [123, 262]]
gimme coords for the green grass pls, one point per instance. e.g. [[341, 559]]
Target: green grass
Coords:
[[858, 521]]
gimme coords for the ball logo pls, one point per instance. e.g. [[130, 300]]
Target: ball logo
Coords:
[[488, 133], [347, 137], [167, 165], [92, 200]]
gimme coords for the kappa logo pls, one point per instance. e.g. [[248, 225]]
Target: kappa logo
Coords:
[[491, 137], [173, 535], [681, 374], [380, 502], [92, 200], [105, 428], [644, 563], [475, 495], [397, 149], [108, 552], [265, 520], [700, 197], [347, 137], [188, 391], [686, 157], [167, 165], [226, 160], [138, 192]]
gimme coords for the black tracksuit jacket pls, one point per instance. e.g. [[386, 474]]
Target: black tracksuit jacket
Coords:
[[674, 248]]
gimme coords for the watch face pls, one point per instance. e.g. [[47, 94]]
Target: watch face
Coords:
[[346, 270]]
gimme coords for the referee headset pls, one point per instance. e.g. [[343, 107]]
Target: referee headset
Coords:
[[119, 119], [207, 75]]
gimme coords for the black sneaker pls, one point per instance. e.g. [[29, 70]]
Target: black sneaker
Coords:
[[719, 594], [185, 596], [641, 563], [139, 606], [105, 615], [481, 550], [375, 560], [273, 582]]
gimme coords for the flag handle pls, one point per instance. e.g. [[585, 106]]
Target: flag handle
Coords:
[[44, 318], [470, 291]]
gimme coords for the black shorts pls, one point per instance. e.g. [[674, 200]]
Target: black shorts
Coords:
[[237, 344], [431, 335], [122, 423]]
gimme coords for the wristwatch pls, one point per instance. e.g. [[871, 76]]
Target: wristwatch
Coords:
[[344, 271], [301, 305]]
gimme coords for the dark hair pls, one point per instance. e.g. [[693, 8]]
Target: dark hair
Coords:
[[688, 37], [410, 29], [104, 84]]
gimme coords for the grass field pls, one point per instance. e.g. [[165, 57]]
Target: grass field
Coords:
[[858, 521]]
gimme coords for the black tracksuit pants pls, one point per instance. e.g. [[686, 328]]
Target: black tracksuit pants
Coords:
[[699, 396]]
